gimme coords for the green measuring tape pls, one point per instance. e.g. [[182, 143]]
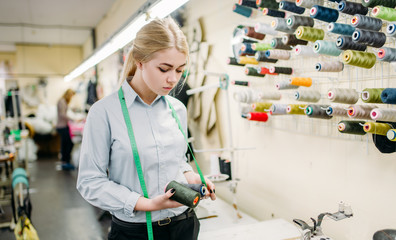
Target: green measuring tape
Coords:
[[137, 158]]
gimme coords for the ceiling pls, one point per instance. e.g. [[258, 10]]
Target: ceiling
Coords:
[[67, 22]]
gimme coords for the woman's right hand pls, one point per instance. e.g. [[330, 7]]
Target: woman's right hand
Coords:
[[160, 202]]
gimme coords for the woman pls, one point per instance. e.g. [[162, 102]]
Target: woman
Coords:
[[108, 174]]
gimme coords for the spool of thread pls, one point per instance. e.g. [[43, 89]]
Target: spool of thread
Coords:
[[359, 59], [309, 3], [336, 111], [233, 61], [250, 32], [256, 116], [248, 3], [279, 24], [324, 14], [301, 81], [297, 109], [391, 29], [294, 21], [246, 50], [373, 3], [346, 42], [246, 96], [284, 85], [273, 13], [251, 71], [379, 114], [261, 106], [388, 95], [351, 127], [372, 95], [376, 128], [339, 28], [280, 70], [391, 135], [317, 111], [343, 95], [267, 4], [278, 109], [388, 14], [277, 54], [360, 111], [276, 43], [291, 7], [367, 23], [245, 11], [335, 66], [240, 83], [309, 34], [305, 51], [261, 46], [261, 57], [387, 54], [247, 60], [352, 8], [199, 188], [265, 29], [290, 39], [264, 70], [183, 194], [326, 48], [307, 95], [270, 95]]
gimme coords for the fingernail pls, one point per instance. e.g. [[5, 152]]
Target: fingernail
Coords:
[[214, 190], [210, 191], [173, 190]]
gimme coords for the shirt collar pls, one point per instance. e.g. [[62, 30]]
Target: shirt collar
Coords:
[[131, 96]]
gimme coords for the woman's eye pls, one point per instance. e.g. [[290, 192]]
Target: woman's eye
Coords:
[[163, 70], [179, 71]]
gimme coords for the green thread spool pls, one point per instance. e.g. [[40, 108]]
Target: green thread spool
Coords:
[[183, 194], [377, 128], [391, 135], [359, 59], [309, 33], [386, 13], [351, 127], [372, 95], [296, 109], [373, 3], [261, 46], [252, 71], [261, 106]]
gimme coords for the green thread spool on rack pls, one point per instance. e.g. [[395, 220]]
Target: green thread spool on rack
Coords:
[[309, 33], [372, 95], [386, 13], [261, 106], [359, 59], [377, 128], [296, 109], [183, 194], [351, 127], [261, 46]]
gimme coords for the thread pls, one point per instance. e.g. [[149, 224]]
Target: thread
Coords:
[[334, 66], [261, 106], [373, 3], [307, 95], [241, 83], [346, 42], [339, 28], [351, 127], [359, 59], [246, 50], [264, 70], [199, 188], [248, 95], [367, 23], [391, 29], [284, 85], [261, 57], [183, 194], [250, 32], [387, 54], [388, 14], [265, 29], [270, 95], [308, 3], [343, 95], [290, 39], [261, 46], [301, 81], [391, 135], [252, 71], [245, 11], [326, 48], [247, 60], [267, 4], [233, 61], [372, 95], [279, 24], [360, 111], [278, 109], [317, 111], [277, 54], [294, 21], [380, 114], [248, 3], [291, 7], [273, 13], [305, 51], [281, 70], [296, 109], [256, 116], [388, 95], [323, 13], [276, 43], [336, 111], [352, 8], [376, 128], [309, 33]]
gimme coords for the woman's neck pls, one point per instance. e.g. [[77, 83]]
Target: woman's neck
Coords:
[[142, 89]]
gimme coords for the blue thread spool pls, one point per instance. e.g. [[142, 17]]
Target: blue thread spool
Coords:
[[391, 29], [242, 10], [246, 49], [339, 28], [324, 14], [326, 48], [389, 95], [291, 7]]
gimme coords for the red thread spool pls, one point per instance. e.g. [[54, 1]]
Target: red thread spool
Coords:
[[257, 116]]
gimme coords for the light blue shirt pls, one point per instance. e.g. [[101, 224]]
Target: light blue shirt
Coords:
[[106, 146]]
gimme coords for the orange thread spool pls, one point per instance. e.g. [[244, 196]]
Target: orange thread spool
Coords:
[[301, 81]]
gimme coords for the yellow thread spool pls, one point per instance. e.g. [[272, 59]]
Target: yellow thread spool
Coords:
[[301, 81], [309, 33], [261, 106], [376, 128], [296, 109], [247, 60], [359, 59]]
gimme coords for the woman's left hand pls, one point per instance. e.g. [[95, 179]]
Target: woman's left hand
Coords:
[[211, 189]]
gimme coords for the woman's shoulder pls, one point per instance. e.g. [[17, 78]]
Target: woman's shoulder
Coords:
[[106, 103], [176, 103]]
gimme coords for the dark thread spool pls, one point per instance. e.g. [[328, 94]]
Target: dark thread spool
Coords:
[[273, 13], [183, 194], [317, 111], [246, 40], [277, 43], [352, 8], [281, 70], [241, 83], [346, 42], [248, 3], [366, 23], [389, 95], [291, 7], [294, 21], [351, 127], [267, 4], [387, 54], [251, 71], [370, 38], [246, 49], [323, 13], [233, 61], [243, 10], [199, 188], [250, 32], [339, 28], [292, 40], [385, 3], [260, 56]]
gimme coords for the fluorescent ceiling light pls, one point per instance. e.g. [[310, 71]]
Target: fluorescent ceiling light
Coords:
[[160, 10]]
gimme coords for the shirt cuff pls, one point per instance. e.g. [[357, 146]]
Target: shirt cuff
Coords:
[[130, 203]]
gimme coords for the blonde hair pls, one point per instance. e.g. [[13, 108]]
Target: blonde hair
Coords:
[[69, 93], [159, 34]]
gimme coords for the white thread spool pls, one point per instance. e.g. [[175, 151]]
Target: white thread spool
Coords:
[[279, 54], [246, 96], [270, 95], [336, 110], [278, 109], [343, 95], [348, 210], [304, 51], [307, 95], [265, 29], [341, 207], [279, 24], [360, 111], [309, 3], [334, 66], [245, 108], [283, 85], [380, 114]]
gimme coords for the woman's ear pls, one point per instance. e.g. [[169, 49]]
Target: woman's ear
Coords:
[[139, 65]]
